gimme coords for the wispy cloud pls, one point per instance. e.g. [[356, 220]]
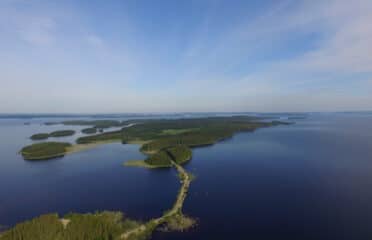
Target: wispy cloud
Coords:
[[38, 31], [283, 56], [95, 41]]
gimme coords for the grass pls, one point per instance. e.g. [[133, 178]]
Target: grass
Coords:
[[45, 150]]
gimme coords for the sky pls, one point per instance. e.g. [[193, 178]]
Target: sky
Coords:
[[94, 56]]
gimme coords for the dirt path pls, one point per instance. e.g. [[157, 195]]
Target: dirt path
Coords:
[[177, 207], [65, 222]]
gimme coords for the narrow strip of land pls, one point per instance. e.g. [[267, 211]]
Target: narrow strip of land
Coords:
[[176, 209]]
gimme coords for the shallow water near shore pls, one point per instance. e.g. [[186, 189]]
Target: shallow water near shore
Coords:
[[310, 180]]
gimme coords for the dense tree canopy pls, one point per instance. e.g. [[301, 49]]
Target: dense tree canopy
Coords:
[[45, 150], [100, 225]]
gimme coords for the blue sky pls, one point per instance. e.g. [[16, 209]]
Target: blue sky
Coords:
[[188, 55]]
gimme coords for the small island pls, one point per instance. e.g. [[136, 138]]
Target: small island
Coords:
[[91, 130], [40, 136], [99, 124], [45, 150], [60, 133]]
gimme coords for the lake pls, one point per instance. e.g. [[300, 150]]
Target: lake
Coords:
[[310, 180]]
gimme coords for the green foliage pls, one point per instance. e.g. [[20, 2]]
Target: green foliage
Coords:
[[206, 136], [43, 227], [101, 225], [108, 136], [51, 123], [45, 150], [62, 133], [180, 154], [91, 130], [104, 225], [96, 123], [40, 136], [165, 133], [162, 134], [160, 158], [177, 131]]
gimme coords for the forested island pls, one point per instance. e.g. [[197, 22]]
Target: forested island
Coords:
[[45, 150], [60, 133], [167, 143], [90, 130]]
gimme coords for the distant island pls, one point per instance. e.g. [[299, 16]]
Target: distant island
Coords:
[[91, 130], [60, 133], [167, 143]]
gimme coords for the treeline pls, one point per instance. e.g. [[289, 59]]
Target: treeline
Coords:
[[91, 130], [60, 133], [43, 227], [191, 139], [100, 225], [190, 132], [180, 154], [100, 124], [163, 158], [108, 136], [160, 159], [40, 136]]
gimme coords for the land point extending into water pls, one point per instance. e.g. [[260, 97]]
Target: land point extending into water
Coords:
[[167, 143], [153, 135]]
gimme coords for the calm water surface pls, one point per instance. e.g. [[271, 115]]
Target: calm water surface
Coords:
[[311, 180]]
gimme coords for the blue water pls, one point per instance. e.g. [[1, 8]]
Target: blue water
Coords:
[[82, 182], [310, 180]]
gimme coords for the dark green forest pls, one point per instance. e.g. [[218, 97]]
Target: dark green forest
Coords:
[[100, 225], [45, 150], [60, 133]]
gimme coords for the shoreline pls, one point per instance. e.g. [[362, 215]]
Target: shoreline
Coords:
[[79, 147]]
